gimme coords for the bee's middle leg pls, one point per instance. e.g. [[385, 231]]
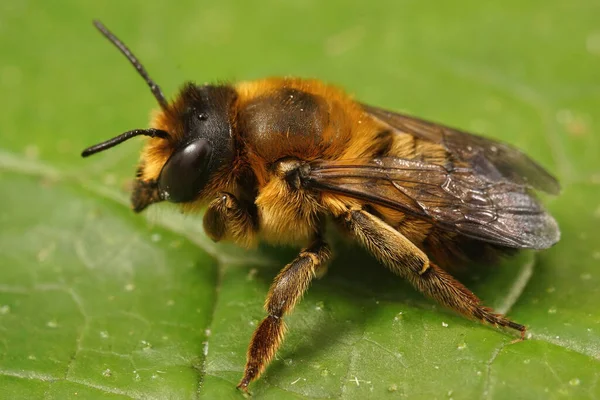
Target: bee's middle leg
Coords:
[[286, 290]]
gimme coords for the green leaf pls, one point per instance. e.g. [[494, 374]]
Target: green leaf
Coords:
[[97, 302]]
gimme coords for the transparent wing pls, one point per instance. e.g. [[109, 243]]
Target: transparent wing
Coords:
[[485, 156], [488, 208]]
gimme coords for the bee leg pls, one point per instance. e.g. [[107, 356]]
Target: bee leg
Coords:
[[403, 258], [227, 218], [287, 288]]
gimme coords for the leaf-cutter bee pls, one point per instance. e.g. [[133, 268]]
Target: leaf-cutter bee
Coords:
[[277, 158]]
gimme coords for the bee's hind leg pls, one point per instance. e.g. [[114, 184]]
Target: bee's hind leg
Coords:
[[287, 288], [403, 258]]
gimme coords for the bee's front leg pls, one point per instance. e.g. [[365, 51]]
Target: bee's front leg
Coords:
[[287, 288], [227, 218]]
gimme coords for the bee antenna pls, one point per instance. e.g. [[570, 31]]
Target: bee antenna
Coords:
[[135, 62], [97, 148]]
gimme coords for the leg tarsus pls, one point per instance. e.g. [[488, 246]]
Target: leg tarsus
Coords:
[[286, 290], [263, 345], [442, 287], [520, 328]]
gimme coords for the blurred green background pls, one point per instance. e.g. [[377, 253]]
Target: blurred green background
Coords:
[[96, 302]]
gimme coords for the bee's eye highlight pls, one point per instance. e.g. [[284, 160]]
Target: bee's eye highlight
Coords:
[[185, 173]]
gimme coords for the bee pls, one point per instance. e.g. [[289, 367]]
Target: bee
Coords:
[[280, 158]]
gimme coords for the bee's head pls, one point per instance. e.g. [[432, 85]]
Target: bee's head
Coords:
[[191, 140]]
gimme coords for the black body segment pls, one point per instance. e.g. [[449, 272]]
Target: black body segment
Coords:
[[206, 113], [295, 117], [204, 144]]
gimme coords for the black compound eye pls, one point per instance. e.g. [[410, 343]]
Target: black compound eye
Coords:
[[185, 172]]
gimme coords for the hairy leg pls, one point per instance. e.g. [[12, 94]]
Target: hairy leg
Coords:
[[405, 259], [286, 290], [227, 218]]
